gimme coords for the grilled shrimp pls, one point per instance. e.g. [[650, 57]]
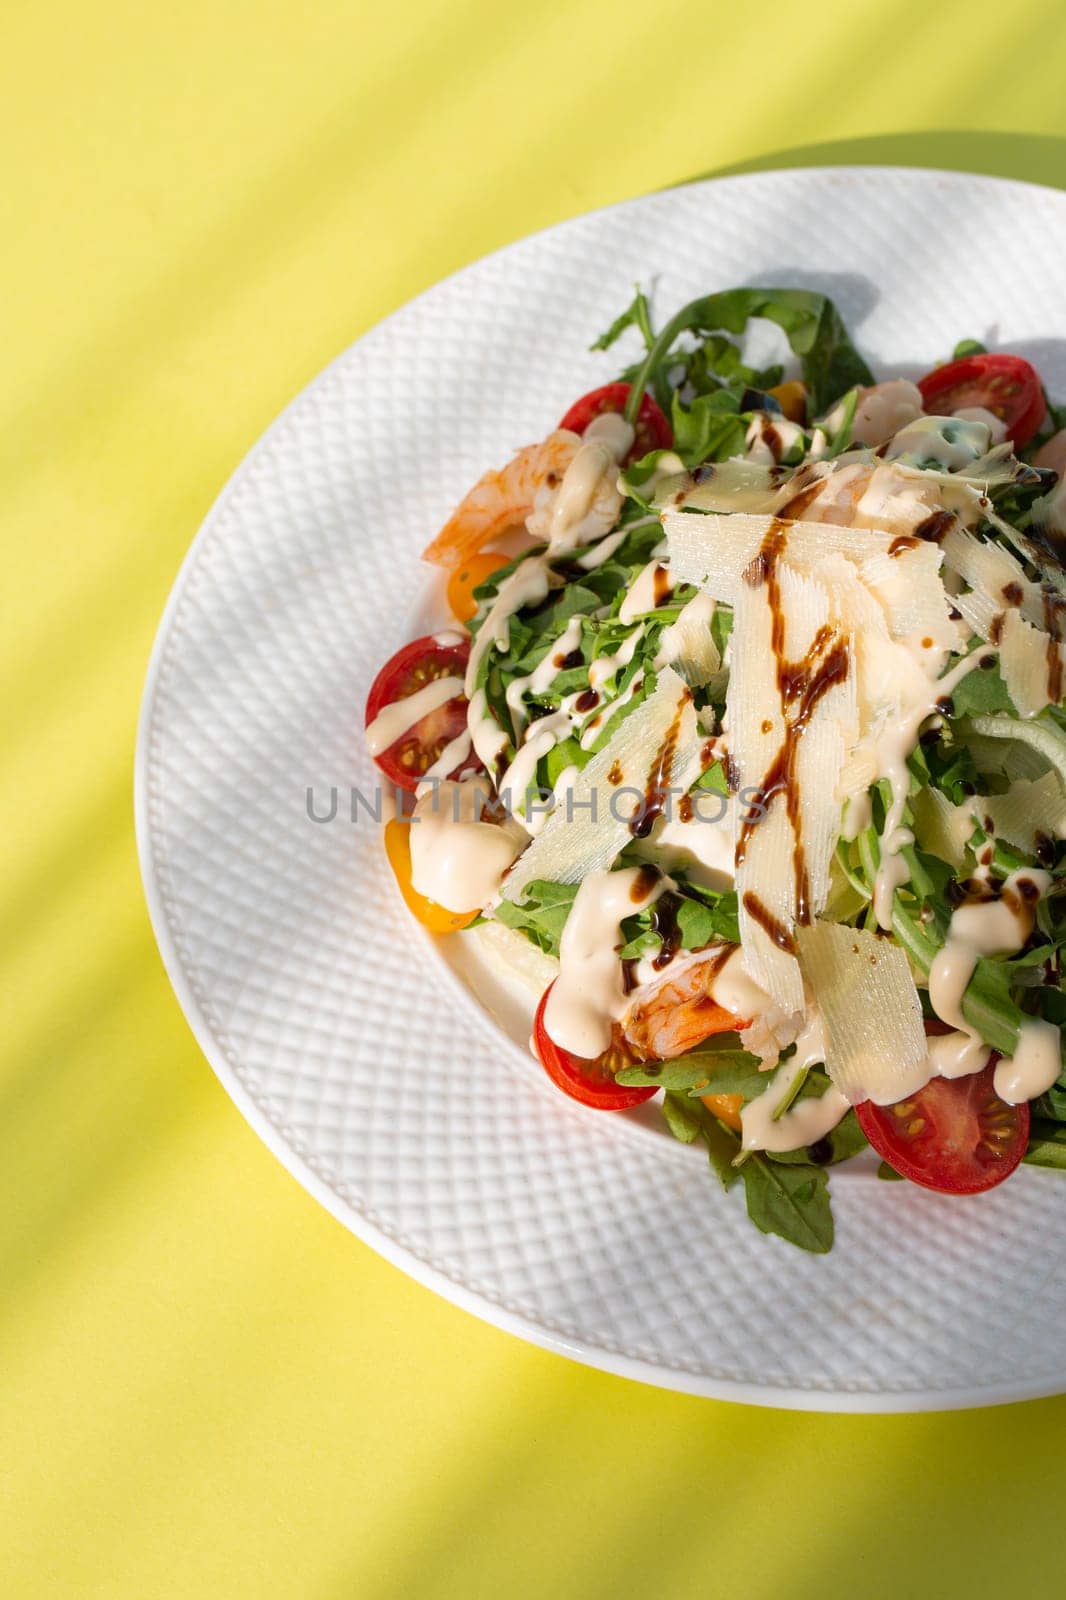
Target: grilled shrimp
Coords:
[[502, 500], [679, 1014]]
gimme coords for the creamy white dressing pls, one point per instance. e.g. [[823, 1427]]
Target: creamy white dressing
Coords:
[[1035, 1065], [891, 747], [543, 675], [606, 440], [604, 668], [457, 860], [770, 437], [703, 848], [947, 442], [764, 1126], [956, 1055], [641, 595], [518, 780], [394, 720], [527, 585], [987, 928], [997, 428], [540, 813], [451, 757], [486, 735], [735, 990], [858, 815], [598, 721], [588, 996], [449, 637], [602, 551]]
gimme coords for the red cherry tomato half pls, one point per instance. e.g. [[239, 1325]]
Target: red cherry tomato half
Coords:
[[407, 760], [590, 1082], [652, 430], [1003, 384], [956, 1135]]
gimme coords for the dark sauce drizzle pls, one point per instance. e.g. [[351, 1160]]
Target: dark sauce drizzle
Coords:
[[658, 779], [935, 527], [1054, 605], [801, 686]]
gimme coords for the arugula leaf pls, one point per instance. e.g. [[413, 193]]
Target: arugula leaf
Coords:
[[791, 1200], [889, 1174], [723, 1147], [695, 1071], [710, 429], [968, 347], [541, 914], [722, 627], [829, 361], [636, 315], [840, 1143], [1052, 1104], [683, 1121], [714, 779]]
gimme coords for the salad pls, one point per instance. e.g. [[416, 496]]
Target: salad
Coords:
[[746, 752]]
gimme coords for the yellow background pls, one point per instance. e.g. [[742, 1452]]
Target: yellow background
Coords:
[[208, 1387]]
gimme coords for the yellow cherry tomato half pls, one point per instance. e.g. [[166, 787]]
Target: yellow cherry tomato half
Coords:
[[432, 916], [465, 579], [726, 1107], [792, 398]]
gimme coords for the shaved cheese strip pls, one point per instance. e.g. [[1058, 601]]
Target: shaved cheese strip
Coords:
[[1025, 813], [997, 577], [875, 1047], [714, 552], [773, 859], [1031, 664], [688, 645], [508, 949], [589, 829], [909, 585], [892, 500]]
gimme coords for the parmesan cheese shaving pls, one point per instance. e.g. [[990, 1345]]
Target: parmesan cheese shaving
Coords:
[[688, 644], [1030, 663], [591, 826], [1027, 811], [714, 552], [875, 1047], [777, 860]]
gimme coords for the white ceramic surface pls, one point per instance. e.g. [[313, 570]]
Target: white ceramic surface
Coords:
[[350, 1047]]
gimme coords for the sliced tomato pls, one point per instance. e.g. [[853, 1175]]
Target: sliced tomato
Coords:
[[652, 430], [1003, 384], [590, 1082], [956, 1135], [407, 760]]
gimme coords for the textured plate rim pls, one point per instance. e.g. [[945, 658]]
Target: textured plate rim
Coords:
[[770, 1394]]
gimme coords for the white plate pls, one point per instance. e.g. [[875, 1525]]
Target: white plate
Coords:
[[350, 1047]]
